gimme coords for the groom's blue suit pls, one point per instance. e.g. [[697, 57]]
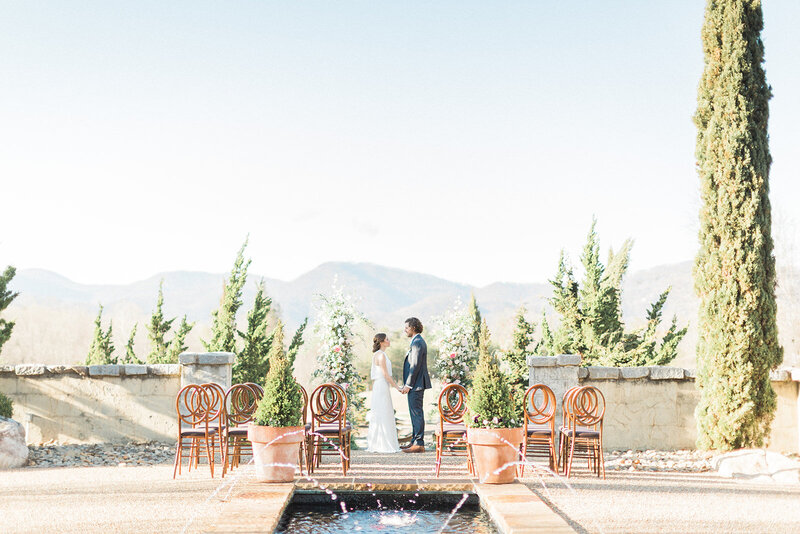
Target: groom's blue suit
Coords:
[[415, 376]]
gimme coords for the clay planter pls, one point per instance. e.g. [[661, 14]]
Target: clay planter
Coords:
[[275, 445], [490, 453]]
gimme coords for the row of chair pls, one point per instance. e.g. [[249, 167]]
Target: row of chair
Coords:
[[580, 434], [209, 416]]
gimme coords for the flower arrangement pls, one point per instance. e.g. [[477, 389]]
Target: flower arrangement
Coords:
[[335, 327], [282, 403], [457, 351]]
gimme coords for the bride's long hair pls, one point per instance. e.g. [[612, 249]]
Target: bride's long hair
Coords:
[[377, 340]]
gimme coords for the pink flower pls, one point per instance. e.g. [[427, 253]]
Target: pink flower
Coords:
[[336, 349], [453, 355]]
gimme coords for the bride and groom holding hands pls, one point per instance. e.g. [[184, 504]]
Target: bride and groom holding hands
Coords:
[[382, 435]]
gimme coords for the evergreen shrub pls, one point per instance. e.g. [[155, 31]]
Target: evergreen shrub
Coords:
[[282, 403], [491, 403], [6, 406]]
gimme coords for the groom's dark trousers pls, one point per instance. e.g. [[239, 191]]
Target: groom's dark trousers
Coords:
[[415, 376]]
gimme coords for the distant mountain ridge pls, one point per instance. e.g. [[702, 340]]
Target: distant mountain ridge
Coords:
[[49, 302], [55, 315]]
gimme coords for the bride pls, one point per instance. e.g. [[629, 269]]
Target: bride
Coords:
[[382, 435]]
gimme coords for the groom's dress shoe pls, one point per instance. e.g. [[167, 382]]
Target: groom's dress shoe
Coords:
[[414, 448]]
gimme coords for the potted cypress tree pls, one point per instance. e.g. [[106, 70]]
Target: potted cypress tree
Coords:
[[494, 426], [276, 430]]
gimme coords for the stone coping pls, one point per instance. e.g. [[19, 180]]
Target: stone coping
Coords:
[[32, 370], [206, 358], [665, 373], [514, 508]]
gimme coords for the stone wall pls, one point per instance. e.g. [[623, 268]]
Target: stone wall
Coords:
[[653, 407], [106, 403]]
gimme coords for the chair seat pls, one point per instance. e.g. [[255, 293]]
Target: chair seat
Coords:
[[237, 431], [332, 428], [581, 433], [192, 432], [539, 431], [452, 428]]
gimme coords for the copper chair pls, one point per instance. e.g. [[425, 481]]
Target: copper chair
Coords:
[[451, 434], [562, 441], [240, 404], [540, 425], [257, 388], [192, 405], [330, 430], [583, 435], [216, 408], [304, 456]]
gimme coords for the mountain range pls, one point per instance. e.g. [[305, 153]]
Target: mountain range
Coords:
[[55, 315]]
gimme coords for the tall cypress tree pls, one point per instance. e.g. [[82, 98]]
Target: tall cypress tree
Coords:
[[252, 363], [735, 269], [101, 350], [223, 328], [130, 353], [522, 345], [157, 330], [475, 313], [178, 343], [6, 297], [297, 342]]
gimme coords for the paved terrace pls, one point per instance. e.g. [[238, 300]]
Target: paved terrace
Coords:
[[146, 499]]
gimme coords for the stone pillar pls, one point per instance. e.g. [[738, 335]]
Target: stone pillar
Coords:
[[204, 367], [559, 373]]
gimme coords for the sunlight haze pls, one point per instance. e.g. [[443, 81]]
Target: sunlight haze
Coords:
[[469, 140]]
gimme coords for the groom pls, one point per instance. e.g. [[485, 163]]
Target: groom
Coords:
[[416, 381]]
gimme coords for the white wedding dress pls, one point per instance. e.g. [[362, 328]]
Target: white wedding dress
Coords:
[[382, 435]]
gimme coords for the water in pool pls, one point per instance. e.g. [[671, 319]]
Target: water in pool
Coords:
[[417, 513]]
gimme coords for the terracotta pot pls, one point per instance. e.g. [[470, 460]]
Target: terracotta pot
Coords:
[[273, 449], [492, 448]]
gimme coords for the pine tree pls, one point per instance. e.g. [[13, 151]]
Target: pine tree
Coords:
[[475, 313], [282, 403], [522, 346], [6, 296], [252, 363], [130, 354], [101, 350], [297, 342], [735, 268], [178, 343], [492, 402], [223, 328], [591, 314], [158, 329]]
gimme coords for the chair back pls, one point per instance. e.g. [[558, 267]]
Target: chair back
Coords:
[[258, 390], [304, 393], [540, 405], [328, 405], [241, 401], [566, 404], [452, 404], [191, 406], [588, 407], [215, 406]]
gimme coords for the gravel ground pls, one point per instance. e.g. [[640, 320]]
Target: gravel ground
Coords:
[[102, 488], [669, 502], [104, 499]]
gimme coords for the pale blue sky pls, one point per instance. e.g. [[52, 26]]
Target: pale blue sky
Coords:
[[470, 140]]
